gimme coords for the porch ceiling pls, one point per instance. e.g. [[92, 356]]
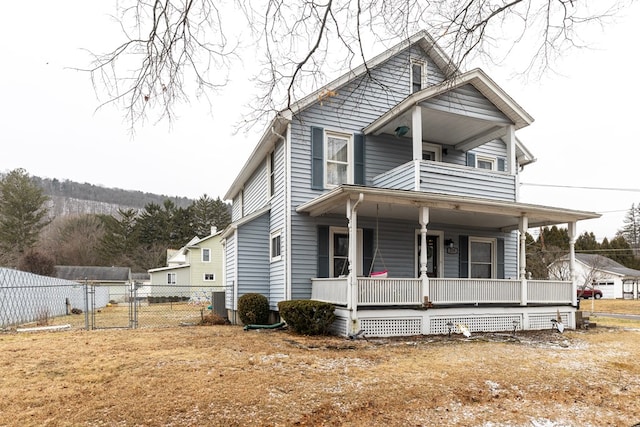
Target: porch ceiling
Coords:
[[443, 209]]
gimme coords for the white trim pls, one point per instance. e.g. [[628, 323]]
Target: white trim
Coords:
[[204, 277], [436, 148], [493, 242], [344, 230], [271, 170], [441, 251], [202, 252], [288, 211], [175, 279], [487, 159], [349, 139], [276, 234], [423, 74]]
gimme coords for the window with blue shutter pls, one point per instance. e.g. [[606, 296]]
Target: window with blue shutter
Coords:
[[317, 158]]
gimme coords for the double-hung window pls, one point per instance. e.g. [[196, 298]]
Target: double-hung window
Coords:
[[206, 255], [483, 162], [418, 76], [276, 246], [171, 278], [338, 159], [482, 256]]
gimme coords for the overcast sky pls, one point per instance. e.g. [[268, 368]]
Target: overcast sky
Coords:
[[583, 134]]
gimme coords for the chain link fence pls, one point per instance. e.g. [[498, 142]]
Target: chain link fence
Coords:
[[30, 300]]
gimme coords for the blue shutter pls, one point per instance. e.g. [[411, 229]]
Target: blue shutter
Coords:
[[317, 158], [323, 251], [500, 258], [358, 151], [502, 164], [464, 257], [471, 159]]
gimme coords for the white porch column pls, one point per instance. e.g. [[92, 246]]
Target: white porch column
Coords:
[[424, 220], [524, 225], [416, 129], [352, 293], [572, 261], [510, 141]]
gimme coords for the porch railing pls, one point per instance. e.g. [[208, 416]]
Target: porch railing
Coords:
[[408, 291], [465, 291], [448, 178]]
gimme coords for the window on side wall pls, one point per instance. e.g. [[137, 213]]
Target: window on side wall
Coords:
[[209, 277], [276, 246], [206, 255], [272, 173], [338, 159], [418, 76], [482, 256], [171, 278]]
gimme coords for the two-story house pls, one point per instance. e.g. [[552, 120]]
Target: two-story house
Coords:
[[193, 271], [355, 180]]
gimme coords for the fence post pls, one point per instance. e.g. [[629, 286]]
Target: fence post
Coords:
[[86, 305]]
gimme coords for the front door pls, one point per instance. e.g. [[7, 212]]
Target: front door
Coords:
[[432, 255]]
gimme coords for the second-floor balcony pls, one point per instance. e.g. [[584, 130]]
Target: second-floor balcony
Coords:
[[451, 179]]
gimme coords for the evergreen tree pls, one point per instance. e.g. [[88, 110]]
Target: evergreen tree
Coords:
[[209, 213], [120, 241], [23, 214], [587, 243], [631, 229]]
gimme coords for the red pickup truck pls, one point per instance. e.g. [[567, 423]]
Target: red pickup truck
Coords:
[[589, 293]]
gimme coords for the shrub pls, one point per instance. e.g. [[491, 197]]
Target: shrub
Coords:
[[253, 309], [211, 319], [307, 317]]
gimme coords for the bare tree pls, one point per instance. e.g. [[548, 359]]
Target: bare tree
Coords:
[[175, 49]]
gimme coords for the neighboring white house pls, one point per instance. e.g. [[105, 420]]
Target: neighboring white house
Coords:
[[409, 166], [597, 271], [193, 271]]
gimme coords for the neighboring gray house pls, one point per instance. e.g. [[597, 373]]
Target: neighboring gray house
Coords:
[[117, 279], [356, 178], [597, 271]]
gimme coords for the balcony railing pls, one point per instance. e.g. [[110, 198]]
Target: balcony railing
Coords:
[[448, 178], [402, 292]]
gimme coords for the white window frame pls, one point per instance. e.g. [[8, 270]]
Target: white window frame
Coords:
[[437, 149], [423, 74], [204, 277], [208, 252], [349, 138], [275, 236], [488, 159], [342, 230], [172, 278], [494, 244], [271, 166]]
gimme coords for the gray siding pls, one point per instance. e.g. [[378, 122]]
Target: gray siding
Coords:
[[465, 181], [236, 207], [253, 256], [230, 271], [278, 222], [466, 101], [255, 194]]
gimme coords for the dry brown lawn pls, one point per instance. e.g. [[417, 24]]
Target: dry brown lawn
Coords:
[[223, 375]]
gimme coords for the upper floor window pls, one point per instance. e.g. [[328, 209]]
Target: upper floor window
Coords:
[[418, 76], [206, 255], [488, 163], [338, 159], [272, 173], [171, 278], [431, 152]]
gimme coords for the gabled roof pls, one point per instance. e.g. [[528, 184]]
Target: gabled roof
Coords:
[[93, 274], [279, 123], [605, 264]]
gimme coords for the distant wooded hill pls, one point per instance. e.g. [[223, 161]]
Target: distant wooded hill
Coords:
[[74, 198]]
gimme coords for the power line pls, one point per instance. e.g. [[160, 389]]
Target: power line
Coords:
[[576, 187]]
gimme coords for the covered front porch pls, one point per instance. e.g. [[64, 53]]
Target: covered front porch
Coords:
[[430, 301]]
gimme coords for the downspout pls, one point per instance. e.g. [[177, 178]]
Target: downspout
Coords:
[[287, 225], [352, 297]]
